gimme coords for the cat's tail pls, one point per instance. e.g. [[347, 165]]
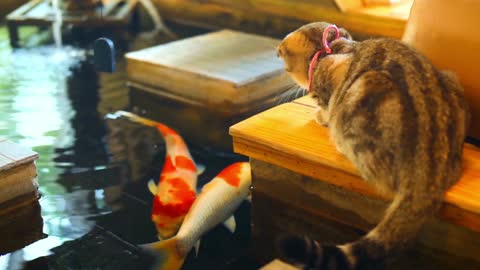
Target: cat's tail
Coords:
[[402, 221]]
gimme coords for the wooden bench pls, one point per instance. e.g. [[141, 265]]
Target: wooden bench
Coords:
[[299, 178], [278, 17], [115, 13]]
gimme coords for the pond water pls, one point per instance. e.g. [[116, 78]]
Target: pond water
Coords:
[[92, 170]]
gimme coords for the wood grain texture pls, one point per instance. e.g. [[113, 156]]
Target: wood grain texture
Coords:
[[17, 181], [276, 17], [288, 136], [221, 69], [307, 101], [229, 56], [40, 12], [12, 154], [399, 11], [285, 202]]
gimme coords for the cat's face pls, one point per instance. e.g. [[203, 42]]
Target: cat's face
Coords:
[[298, 48]]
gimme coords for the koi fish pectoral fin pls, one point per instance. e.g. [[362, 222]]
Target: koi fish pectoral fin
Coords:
[[152, 187], [230, 224], [200, 169]]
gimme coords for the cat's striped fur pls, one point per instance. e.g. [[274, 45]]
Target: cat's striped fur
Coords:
[[399, 119]]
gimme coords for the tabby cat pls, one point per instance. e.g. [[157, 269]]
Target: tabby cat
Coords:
[[399, 119]]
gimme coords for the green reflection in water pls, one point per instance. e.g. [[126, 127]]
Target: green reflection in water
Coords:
[[35, 112]]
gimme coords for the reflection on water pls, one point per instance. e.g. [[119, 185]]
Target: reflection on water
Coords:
[[38, 111], [92, 171]]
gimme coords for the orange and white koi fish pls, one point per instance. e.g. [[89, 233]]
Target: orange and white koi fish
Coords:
[[217, 201], [176, 189]]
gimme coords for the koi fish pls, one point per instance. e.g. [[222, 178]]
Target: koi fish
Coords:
[[176, 189], [217, 201]]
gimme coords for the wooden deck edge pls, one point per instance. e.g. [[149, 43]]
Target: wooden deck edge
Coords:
[[460, 211], [328, 174], [231, 110]]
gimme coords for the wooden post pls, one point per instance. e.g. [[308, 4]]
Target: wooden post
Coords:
[[13, 34]]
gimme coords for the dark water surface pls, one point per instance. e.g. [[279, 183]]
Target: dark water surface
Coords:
[[93, 171]]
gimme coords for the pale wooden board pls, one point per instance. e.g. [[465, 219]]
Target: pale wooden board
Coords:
[[307, 101], [12, 154], [275, 16], [345, 5], [399, 11], [5, 162], [278, 265], [289, 132], [226, 55]]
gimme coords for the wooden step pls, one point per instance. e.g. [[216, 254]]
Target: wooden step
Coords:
[[17, 175], [279, 17], [229, 70], [204, 84], [294, 163]]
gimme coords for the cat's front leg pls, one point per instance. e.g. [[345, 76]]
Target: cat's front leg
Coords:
[[321, 117]]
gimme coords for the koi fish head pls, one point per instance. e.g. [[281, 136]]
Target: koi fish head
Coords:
[[171, 204], [236, 174]]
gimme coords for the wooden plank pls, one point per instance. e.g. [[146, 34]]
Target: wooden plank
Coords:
[[16, 153], [17, 181], [345, 5], [276, 17], [126, 9], [38, 12], [230, 56], [109, 7], [5, 162], [225, 69], [305, 206], [400, 11], [354, 22], [307, 101], [7, 6], [289, 132], [23, 9]]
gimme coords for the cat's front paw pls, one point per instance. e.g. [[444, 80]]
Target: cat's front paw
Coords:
[[321, 117]]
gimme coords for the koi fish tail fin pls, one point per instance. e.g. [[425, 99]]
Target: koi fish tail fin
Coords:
[[169, 257]]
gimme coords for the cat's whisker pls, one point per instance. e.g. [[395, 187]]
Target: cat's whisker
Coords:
[[287, 94]]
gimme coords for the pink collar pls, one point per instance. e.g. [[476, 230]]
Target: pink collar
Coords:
[[326, 49]]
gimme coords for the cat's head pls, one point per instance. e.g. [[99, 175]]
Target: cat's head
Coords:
[[298, 48]]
